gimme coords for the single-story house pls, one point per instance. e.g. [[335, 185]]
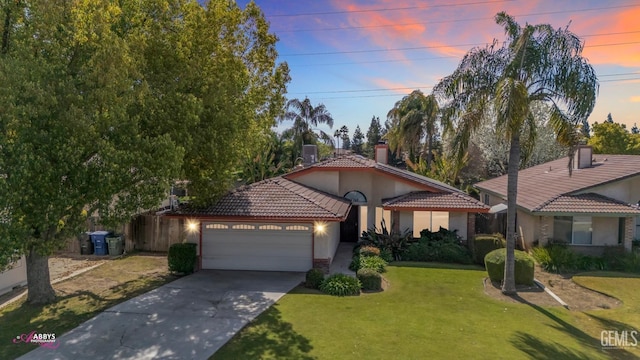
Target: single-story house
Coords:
[[295, 221], [594, 206], [15, 275]]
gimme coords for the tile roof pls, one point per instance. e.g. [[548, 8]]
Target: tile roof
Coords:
[[359, 162], [435, 201], [540, 184], [587, 203], [275, 198]]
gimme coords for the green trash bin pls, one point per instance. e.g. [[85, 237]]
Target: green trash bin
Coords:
[[116, 245]]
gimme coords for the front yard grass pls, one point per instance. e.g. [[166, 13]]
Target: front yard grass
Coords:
[[81, 298], [437, 313]]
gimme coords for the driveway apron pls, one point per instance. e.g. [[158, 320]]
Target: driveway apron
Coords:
[[190, 318]]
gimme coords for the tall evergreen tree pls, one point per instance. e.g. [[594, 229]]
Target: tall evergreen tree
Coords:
[[344, 136], [357, 141], [609, 119], [374, 134], [634, 129]]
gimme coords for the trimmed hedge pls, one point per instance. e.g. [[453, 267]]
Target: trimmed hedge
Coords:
[[371, 280], [369, 250], [484, 244], [340, 285], [314, 278], [182, 258], [368, 262], [524, 266]]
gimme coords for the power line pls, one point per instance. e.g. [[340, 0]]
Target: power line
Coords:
[[431, 86], [387, 9], [454, 20], [425, 47]]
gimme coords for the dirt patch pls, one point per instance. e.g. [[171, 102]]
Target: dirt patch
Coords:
[[577, 297], [65, 264]]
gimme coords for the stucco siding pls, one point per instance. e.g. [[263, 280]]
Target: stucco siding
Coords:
[[528, 228], [327, 181], [325, 244], [627, 190], [458, 221]]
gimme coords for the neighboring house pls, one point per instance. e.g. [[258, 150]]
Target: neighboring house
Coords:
[[595, 206], [296, 221], [14, 276]]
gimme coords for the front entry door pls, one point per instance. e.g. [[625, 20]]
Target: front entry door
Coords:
[[349, 227]]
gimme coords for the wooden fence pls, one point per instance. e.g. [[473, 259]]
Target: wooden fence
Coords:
[[146, 232]]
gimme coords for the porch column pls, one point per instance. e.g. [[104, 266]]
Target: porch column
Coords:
[[628, 232], [546, 230], [471, 227]]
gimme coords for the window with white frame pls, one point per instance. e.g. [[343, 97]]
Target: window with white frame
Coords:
[[637, 228], [576, 230]]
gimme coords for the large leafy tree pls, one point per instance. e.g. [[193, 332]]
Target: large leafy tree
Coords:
[[105, 103], [614, 138], [69, 143], [536, 64], [305, 118], [414, 119], [214, 85]]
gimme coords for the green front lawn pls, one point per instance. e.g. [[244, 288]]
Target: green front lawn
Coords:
[[437, 313]]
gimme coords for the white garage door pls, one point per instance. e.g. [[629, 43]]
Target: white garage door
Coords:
[[248, 246]]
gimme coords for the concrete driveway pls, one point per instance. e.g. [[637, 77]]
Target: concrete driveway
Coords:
[[190, 318]]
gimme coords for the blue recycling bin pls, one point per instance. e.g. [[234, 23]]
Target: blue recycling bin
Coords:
[[99, 240]]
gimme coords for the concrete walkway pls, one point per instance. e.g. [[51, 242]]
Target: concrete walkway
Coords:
[[190, 318], [344, 254]]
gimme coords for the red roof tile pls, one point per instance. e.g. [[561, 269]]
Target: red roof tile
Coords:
[[425, 200], [540, 184], [587, 203], [275, 198]]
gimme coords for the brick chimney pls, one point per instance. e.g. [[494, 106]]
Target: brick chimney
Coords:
[[309, 154], [382, 153], [583, 157]]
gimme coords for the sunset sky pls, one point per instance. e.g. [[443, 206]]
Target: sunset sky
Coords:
[[360, 57]]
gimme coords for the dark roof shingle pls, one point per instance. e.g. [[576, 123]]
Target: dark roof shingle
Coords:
[[587, 203], [540, 184]]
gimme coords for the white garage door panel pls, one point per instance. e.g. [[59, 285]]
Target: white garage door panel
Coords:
[[268, 250]]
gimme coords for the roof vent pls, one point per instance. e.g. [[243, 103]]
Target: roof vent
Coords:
[[583, 157]]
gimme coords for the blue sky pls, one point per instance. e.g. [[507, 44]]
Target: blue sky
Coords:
[[359, 57]]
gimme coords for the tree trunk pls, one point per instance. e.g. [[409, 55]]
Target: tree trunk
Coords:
[[509, 284], [38, 282]]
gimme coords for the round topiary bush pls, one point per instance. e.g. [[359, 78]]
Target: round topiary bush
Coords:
[[484, 244], [370, 279], [340, 285], [314, 278], [494, 262]]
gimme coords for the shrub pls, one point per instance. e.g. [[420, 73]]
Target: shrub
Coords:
[[386, 255], [484, 244], [443, 246], [393, 241], [375, 263], [556, 257], [314, 278], [369, 251], [524, 265], [182, 258], [340, 285], [371, 280]]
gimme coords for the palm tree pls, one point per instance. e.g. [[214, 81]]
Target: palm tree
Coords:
[[416, 118], [537, 64], [305, 117]]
